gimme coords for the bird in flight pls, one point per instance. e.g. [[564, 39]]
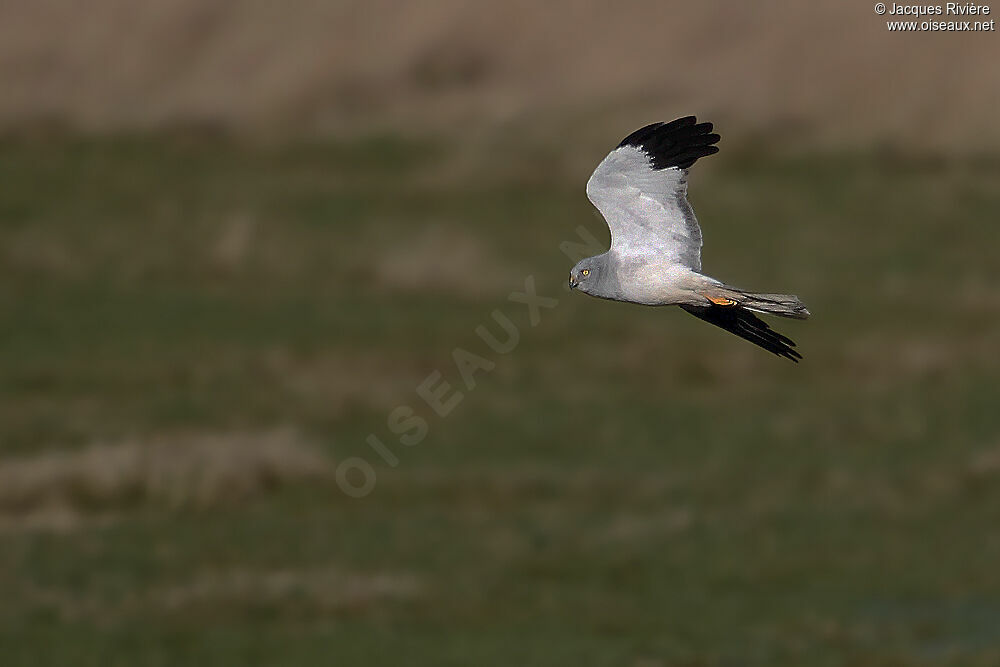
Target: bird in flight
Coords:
[[655, 257]]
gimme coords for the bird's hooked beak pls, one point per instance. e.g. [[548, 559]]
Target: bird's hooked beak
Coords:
[[573, 282]]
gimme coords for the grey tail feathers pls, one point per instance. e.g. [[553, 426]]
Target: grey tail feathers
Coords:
[[733, 310], [783, 305]]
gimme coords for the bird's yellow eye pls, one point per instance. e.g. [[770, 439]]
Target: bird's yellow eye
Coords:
[[585, 272]]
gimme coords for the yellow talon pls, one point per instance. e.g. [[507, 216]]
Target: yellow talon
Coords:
[[721, 300]]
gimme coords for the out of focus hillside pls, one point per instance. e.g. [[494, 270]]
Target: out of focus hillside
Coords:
[[236, 238], [828, 71], [196, 333]]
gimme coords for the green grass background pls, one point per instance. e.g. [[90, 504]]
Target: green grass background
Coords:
[[627, 487]]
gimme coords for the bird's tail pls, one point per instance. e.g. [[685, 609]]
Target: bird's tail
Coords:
[[783, 305], [733, 310]]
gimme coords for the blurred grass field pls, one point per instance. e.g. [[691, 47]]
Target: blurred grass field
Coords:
[[193, 331]]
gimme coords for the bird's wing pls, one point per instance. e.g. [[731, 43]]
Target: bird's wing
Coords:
[[641, 190], [747, 326]]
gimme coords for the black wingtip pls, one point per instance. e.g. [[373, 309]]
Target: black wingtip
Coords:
[[678, 143], [747, 326]]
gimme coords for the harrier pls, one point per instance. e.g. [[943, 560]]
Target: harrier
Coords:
[[655, 257]]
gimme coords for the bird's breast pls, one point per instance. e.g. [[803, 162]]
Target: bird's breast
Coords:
[[655, 283]]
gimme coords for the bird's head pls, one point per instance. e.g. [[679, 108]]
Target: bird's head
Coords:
[[584, 275]]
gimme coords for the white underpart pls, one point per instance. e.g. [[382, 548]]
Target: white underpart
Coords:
[[655, 237]]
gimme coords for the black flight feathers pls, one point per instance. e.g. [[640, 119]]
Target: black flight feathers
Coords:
[[678, 143], [747, 326]]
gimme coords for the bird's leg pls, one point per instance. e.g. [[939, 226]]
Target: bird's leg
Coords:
[[719, 300]]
